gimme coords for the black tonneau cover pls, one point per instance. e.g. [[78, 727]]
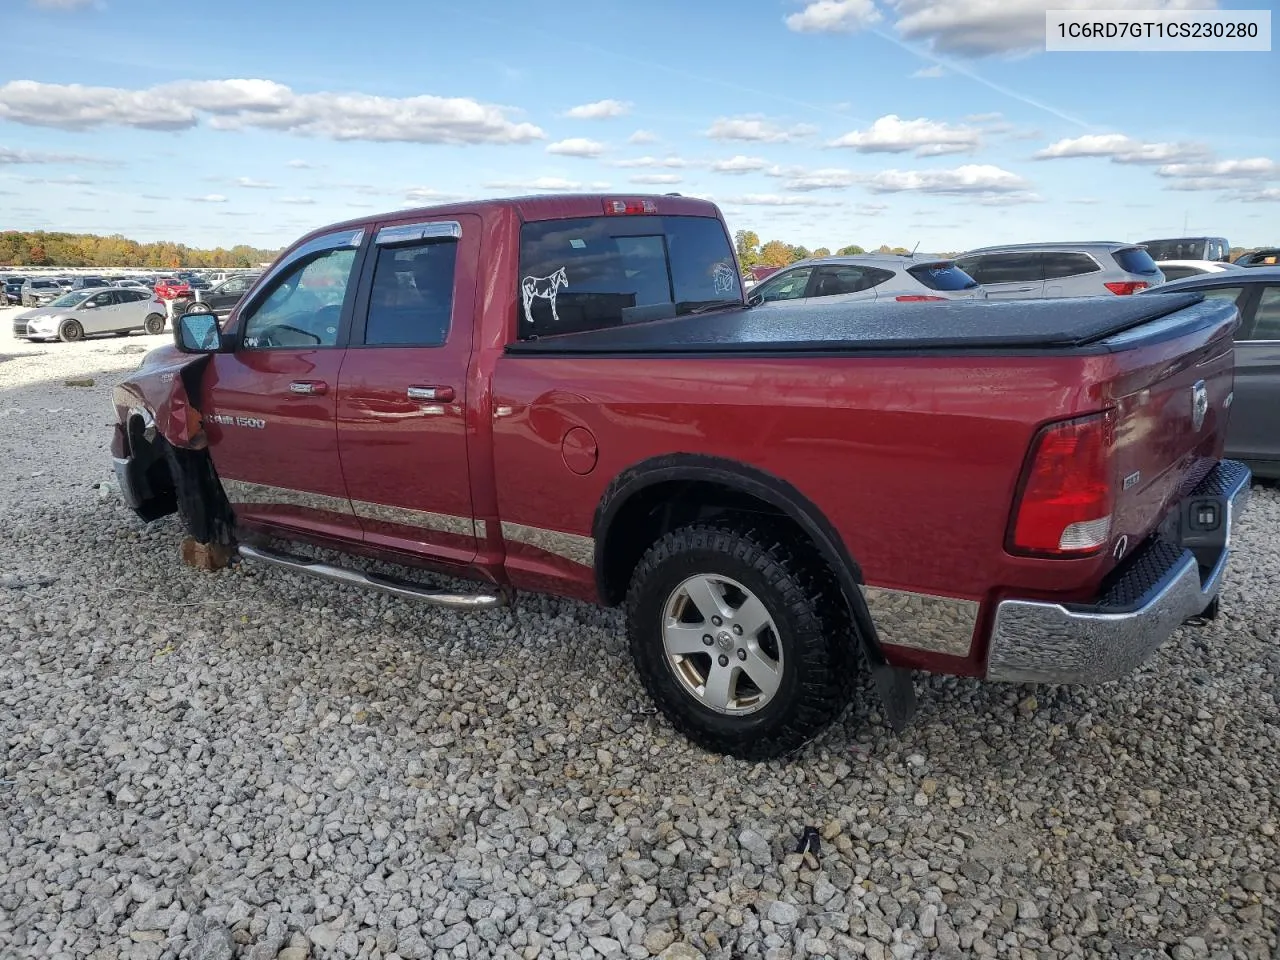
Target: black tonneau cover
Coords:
[[961, 325]]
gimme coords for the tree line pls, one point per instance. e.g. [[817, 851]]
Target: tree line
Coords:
[[777, 253], [39, 248]]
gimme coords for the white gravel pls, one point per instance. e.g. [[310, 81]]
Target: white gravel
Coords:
[[257, 765]]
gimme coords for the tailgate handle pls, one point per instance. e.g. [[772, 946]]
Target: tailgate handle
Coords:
[[432, 394], [308, 388]]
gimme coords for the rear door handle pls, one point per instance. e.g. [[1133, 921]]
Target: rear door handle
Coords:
[[431, 394], [308, 388]]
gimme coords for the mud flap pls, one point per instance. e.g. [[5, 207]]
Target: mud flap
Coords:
[[897, 693]]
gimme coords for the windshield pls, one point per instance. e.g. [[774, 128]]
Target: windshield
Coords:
[[70, 299], [598, 272], [1187, 248]]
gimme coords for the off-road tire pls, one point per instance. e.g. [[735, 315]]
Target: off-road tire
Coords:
[[820, 651], [70, 331], [154, 324]]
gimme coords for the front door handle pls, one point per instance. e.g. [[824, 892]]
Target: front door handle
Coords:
[[431, 394], [308, 388]]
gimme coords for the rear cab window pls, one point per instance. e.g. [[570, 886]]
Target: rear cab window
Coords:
[[1135, 260], [592, 273], [942, 276]]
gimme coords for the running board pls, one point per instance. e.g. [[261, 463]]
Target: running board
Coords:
[[372, 581]]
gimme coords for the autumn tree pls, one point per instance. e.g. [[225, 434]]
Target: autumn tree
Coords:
[[852, 250], [775, 253], [822, 252], [747, 245]]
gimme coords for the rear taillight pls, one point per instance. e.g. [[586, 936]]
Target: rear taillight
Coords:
[[916, 299], [618, 208], [1064, 507], [1123, 288]]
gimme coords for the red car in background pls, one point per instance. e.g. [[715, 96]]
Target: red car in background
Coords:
[[170, 288]]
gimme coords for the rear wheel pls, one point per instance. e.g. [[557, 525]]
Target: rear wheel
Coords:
[[154, 324], [71, 331], [738, 641]]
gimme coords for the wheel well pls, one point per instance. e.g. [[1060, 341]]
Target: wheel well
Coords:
[[661, 507]]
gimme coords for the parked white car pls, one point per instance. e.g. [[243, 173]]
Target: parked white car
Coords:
[[1181, 269], [878, 277], [81, 313]]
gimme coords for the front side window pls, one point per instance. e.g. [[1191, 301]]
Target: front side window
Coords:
[[1003, 267], [304, 305], [786, 286], [411, 302], [102, 300], [1266, 322], [592, 273]]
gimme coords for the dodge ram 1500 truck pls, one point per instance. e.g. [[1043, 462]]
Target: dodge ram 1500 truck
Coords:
[[569, 394]]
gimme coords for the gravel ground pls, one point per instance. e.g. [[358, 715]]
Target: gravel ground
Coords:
[[257, 765]]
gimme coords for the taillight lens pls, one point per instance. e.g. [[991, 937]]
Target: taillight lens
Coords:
[[1123, 288], [1064, 508], [916, 299]]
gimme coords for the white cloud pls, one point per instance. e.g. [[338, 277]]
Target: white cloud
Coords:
[[9, 156], [755, 129], [831, 178], [656, 178], [739, 165], [773, 200], [930, 73], [555, 184], [1260, 168], [1121, 149], [577, 147], [892, 134], [234, 104], [300, 165], [599, 110], [968, 180], [253, 184], [64, 4], [302, 201], [427, 194], [643, 136], [835, 16], [210, 198], [980, 28], [669, 162]]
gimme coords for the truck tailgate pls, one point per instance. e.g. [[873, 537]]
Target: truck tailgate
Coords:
[[1171, 389]]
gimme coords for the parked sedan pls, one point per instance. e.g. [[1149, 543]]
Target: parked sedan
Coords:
[[884, 279], [225, 294], [1181, 269], [1254, 431], [12, 292], [81, 313], [37, 291]]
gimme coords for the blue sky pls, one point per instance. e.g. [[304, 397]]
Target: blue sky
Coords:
[[822, 123]]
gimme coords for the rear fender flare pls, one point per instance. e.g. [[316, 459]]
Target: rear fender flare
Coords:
[[764, 486]]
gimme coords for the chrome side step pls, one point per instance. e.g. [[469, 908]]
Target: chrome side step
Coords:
[[372, 581]]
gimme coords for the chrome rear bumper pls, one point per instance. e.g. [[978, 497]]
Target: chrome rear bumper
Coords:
[[1162, 587]]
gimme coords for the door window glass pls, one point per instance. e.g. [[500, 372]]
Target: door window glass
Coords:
[[1266, 322], [101, 299], [847, 278], [411, 302], [304, 305], [1058, 265], [788, 286], [1003, 267]]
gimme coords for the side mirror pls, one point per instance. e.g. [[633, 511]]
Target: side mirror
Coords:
[[197, 331], [755, 300]]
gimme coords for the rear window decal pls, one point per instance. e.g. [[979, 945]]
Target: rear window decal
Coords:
[[542, 288]]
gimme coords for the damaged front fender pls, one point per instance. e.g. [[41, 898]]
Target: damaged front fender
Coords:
[[163, 390]]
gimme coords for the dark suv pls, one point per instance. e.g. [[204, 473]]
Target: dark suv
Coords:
[[12, 289]]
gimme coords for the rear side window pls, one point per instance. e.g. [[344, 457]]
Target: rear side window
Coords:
[[1136, 260], [411, 302], [1003, 267], [847, 278], [942, 276], [598, 272], [1059, 265], [1266, 322]]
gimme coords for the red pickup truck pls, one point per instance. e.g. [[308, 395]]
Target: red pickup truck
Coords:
[[570, 395]]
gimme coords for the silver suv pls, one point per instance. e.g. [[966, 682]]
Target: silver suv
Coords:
[[880, 277], [1026, 271]]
